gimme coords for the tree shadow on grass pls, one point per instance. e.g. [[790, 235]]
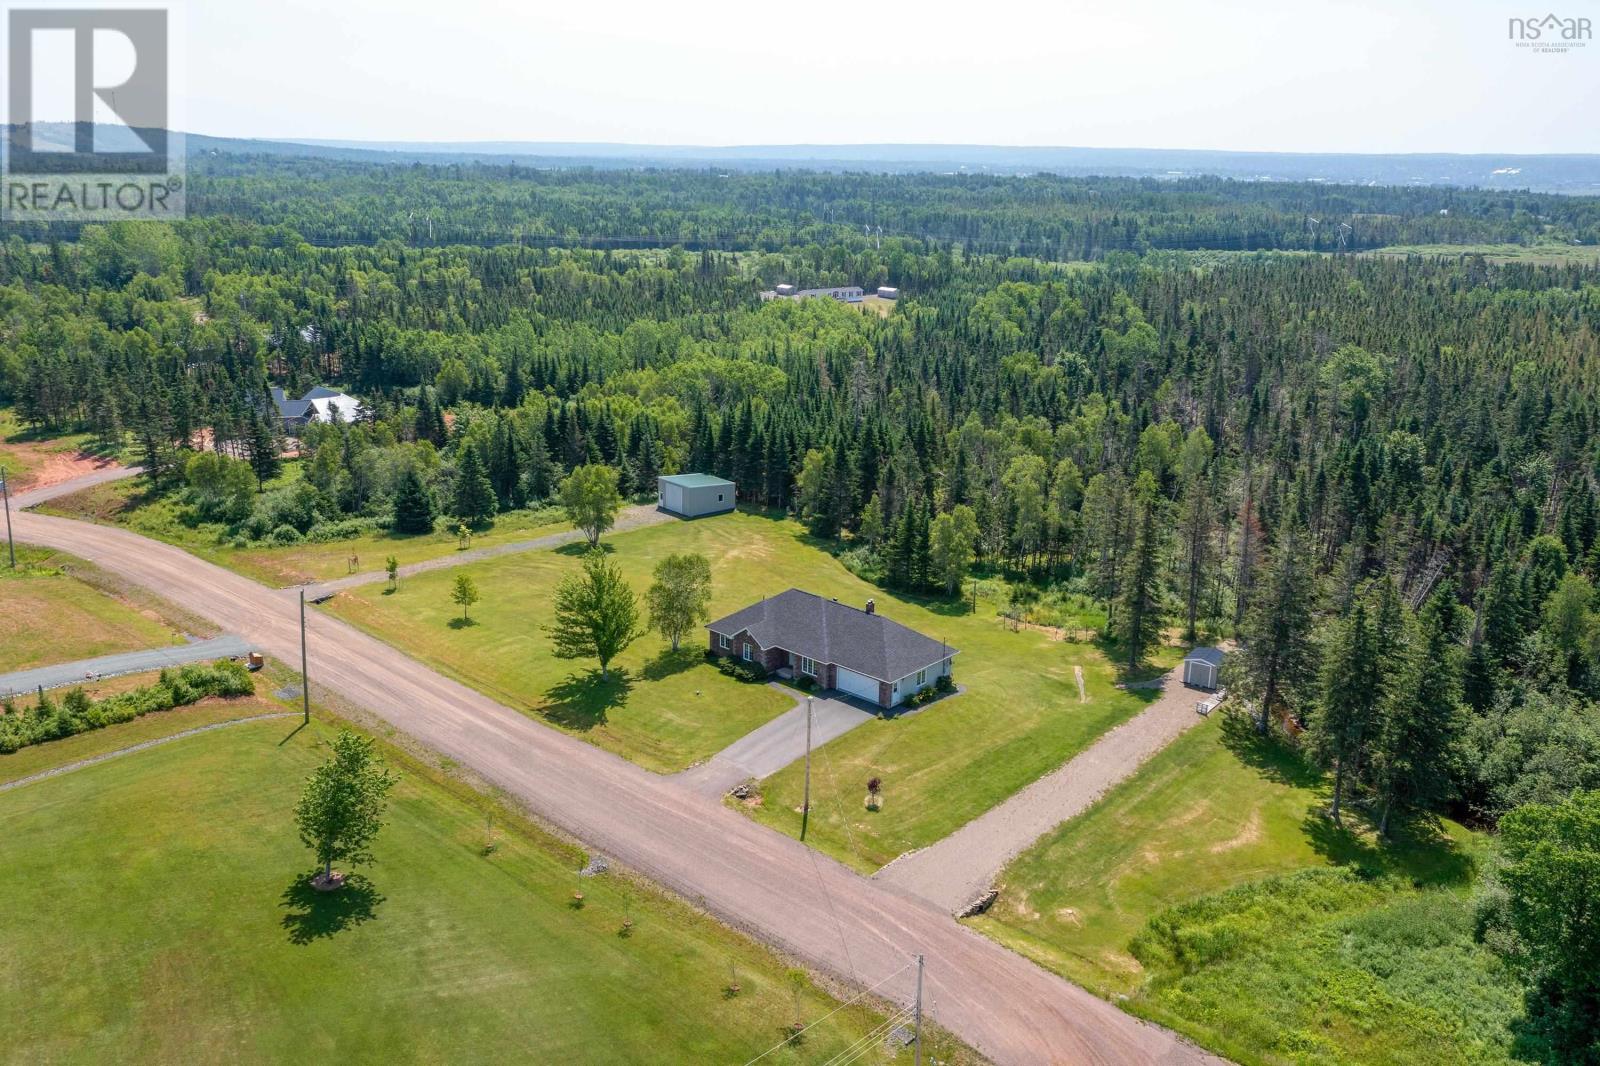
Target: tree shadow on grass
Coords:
[[314, 915], [582, 702], [1269, 755], [580, 548], [1417, 848], [462, 623], [671, 662]]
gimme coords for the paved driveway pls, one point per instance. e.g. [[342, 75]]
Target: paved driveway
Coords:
[[132, 662], [764, 751]]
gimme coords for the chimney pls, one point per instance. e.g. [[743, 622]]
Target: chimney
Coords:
[[872, 606]]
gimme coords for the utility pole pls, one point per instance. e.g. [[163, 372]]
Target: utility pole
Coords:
[[916, 1013], [805, 804], [11, 545], [305, 683]]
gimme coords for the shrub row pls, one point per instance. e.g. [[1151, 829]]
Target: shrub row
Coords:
[[737, 669], [928, 693], [77, 713]]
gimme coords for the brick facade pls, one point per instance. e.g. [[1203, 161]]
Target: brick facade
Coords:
[[769, 659]]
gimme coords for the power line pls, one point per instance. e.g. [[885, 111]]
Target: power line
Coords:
[[864, 992]]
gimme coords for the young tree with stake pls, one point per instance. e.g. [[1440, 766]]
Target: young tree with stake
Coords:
[[464, 594]]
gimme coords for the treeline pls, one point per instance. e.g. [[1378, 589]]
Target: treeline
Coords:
[[1046, 216]]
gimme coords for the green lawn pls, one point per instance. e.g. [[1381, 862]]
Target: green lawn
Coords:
[[52, 616], [665, 712], [1019, 718], [1218, 810], [126, 503], [158, 913]]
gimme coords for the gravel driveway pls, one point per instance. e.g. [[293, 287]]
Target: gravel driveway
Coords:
[[644, 514], [962, 866]]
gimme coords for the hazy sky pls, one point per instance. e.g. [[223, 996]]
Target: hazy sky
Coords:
[[1324, 75]]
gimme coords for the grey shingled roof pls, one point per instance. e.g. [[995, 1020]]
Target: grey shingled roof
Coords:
[[1206, 655], [832, 632]]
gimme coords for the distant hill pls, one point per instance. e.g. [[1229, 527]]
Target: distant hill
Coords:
[[1544, 173], [1572, 174]]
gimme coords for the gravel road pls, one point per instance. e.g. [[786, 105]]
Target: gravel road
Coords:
[[752, 877]]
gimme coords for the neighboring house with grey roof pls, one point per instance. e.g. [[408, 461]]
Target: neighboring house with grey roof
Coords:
[[317, 405], [854, 650]]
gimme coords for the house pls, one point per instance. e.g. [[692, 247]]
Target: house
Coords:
[[854, 650], [1203, 668], [317, 405], [693, 495], [847, 293]]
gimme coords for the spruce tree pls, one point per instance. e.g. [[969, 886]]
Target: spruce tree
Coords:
[[413, 505], [1422, 720], [1276, 660], [474, 501], [1139, 614], [1347, 704]]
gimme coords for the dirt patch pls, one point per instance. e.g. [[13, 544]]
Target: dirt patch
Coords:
[[1070, 916], [58, 466], [1246, 836]]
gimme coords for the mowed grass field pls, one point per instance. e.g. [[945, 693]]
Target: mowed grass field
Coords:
[[127, 504], [1019, 718], [661, 710], [1388, 973], [48, 615], [157, 913]]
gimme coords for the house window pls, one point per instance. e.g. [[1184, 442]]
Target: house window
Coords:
[[747, 653], [719, 497], [808, 666], [722, 641], [922, 677]]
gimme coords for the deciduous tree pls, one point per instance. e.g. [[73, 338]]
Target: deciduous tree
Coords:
[[342, 806], [591, 499], [680, 596], [596, 613]]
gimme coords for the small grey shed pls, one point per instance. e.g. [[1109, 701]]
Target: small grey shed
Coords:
[[693, 495], [1202, 668]]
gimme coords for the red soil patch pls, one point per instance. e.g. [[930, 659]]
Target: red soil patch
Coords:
[[57, 467]]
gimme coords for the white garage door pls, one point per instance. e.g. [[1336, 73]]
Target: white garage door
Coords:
[[857, 684]]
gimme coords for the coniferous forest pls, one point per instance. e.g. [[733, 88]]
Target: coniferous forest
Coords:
[[1181, 400]]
